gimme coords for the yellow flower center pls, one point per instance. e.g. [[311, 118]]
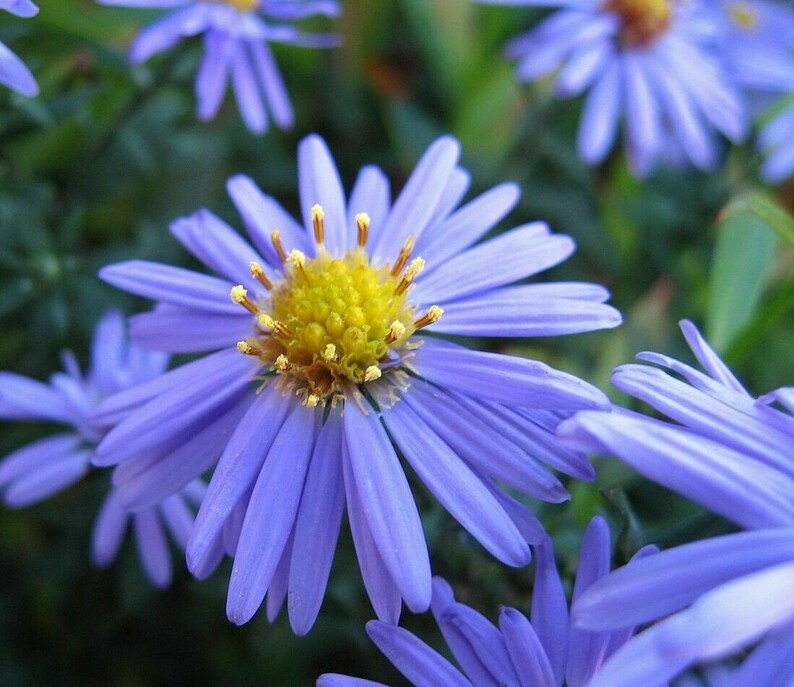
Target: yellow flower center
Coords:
[[333, 323], [643, 21], [742, 15], [242, 5]]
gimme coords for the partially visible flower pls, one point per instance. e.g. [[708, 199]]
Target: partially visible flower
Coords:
[[545, 652], [777, 144], [732, 454], [645, 62], [13, 72], [324, 374], [48, 466], [236, 34], [757, 44]]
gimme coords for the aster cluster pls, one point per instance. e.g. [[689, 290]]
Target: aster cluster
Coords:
[[49, 466]]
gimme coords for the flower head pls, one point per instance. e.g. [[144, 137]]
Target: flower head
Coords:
[[645, 62], [13, 72], [731, 453], [756, 41], [47, 467], [236, 34], [324, 373], [546, 651]]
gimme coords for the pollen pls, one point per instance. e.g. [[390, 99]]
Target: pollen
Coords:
[[334, 323], [642, 21]]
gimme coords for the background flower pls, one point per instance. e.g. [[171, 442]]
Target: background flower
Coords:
[[236, 51], [731, 453], [13, 72], [645, 64], [326, 331], [48, 466], [545, 651]]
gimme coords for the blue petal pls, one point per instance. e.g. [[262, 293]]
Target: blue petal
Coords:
[[389, 506], [420, 664], [550, 610], [457, 488], [381, 588], [238, 468], [501, 378], [271, 514], [317, 528]]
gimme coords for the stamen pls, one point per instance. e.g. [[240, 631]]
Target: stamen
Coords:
[[413, 271], [246, 348], [259, 274], [372, 373], [432, 316], [362, 222], [318, 220], [312, 400], [275, 237], [239, 295], [265, 321], [298, 259], [281, 363], [402, 258], [329, 353], [396, 331]]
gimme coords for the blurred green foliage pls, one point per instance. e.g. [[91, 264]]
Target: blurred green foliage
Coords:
[[94, 170]]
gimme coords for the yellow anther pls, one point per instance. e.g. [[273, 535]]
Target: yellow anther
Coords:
[[362, 222], [404, 255], [265, 321], [413, 271], [245, 348], [281, 363], [297, 257], [372, 373], [330, 352], [275, 237], [259, 274], [432, 315], [239, 295], [318, 221], [396, 331], [312, 400]]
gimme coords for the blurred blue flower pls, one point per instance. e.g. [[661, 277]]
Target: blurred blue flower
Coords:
[[757, 43], [777, 144], [13, 72], [323, 378], [48, 466], [646, 62], [732, 454], [518, 653], [236, 37]]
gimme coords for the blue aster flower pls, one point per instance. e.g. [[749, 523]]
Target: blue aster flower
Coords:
[[644, 62], [757, 44], [13, 72], [237, 34], [324, 373], [545, 651], [731, 453], [48, 466]]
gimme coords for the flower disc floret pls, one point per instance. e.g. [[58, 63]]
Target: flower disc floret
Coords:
[[642, 21]]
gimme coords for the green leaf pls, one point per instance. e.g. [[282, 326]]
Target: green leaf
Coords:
[[746, 243], [764, 206]]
